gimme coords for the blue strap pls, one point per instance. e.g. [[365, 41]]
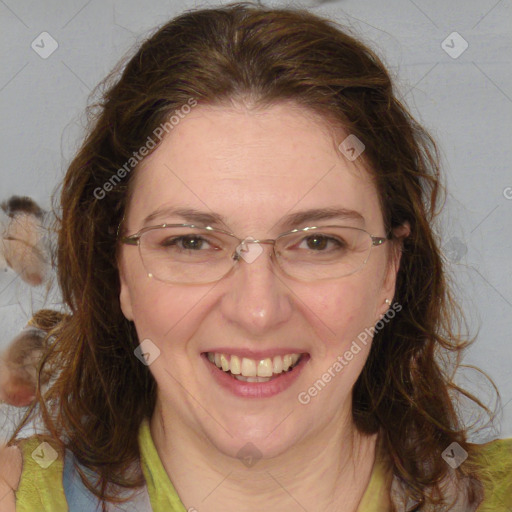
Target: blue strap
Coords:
[[80, 499]]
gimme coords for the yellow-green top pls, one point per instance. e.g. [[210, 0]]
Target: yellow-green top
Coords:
[[42, 489]]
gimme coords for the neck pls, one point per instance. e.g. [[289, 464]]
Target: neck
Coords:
[[329, 471]]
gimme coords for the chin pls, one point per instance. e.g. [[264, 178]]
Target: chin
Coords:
[[260, 438]]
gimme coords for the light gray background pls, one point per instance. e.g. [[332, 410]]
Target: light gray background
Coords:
[[466, 103]]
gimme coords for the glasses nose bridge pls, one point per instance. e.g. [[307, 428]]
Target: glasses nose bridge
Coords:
[[249, 240], [270, 241]]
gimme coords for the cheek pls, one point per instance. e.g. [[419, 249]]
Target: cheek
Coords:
[[168, 317], [164, 313], [343, 315], [345, 309], [153, 306]]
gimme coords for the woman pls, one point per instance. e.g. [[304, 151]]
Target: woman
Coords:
[[256, 295]]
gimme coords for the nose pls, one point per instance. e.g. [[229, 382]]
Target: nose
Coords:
[[257, 299]]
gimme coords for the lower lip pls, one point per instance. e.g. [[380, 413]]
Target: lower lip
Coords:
[[256, 389]]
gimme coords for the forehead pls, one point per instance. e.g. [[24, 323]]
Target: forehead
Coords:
[[252, 167]]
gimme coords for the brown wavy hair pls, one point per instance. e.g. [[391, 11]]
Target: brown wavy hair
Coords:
[[217, 56]]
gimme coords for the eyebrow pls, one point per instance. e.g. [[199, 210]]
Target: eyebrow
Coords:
[[287, 222]]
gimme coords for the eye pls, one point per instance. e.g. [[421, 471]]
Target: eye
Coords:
[[186, 242], [318, 242]]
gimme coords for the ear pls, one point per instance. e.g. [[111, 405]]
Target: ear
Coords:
[[395, 256], [125, 298]]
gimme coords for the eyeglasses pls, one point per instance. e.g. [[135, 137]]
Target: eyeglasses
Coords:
[[185, 253]]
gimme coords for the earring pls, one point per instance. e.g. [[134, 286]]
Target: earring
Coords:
[[388, 302]]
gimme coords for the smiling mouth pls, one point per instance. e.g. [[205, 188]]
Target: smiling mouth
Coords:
[[252, 370]]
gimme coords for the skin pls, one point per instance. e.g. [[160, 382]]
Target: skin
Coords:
[[10, 471], [254, 167]]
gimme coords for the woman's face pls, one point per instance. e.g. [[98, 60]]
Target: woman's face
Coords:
[[255, 168]]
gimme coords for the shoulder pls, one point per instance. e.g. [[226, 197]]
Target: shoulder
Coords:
[[495, 458], [34, 471], [11, 462]]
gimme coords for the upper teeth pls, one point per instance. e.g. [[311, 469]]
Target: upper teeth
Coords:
[[252, 367]]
